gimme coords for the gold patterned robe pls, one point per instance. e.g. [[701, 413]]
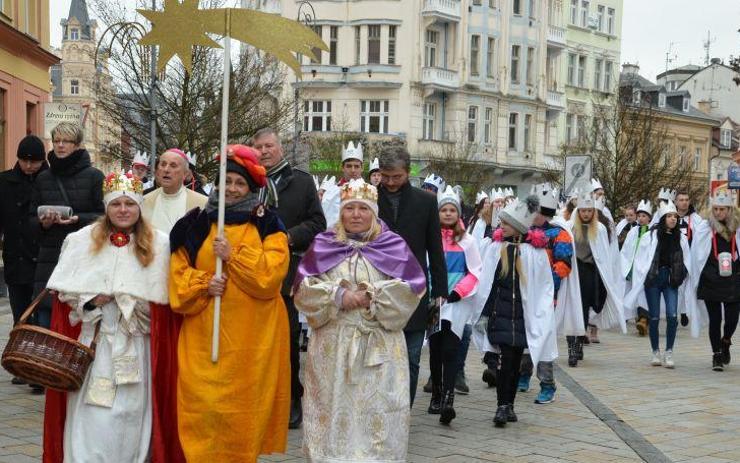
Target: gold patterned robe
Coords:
[[356, 403]]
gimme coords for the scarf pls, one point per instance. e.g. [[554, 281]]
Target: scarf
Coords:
[[270, 196], [236, 213], [63, 166], [388, 253]]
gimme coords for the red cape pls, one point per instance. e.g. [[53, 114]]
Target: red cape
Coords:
[[165, 444]]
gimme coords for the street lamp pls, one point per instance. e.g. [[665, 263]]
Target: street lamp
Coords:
[[307, 16]]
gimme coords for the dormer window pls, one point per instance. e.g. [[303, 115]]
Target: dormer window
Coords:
[[74, 34], [636, 97], [661, 100], [685, 105], [726, 137]]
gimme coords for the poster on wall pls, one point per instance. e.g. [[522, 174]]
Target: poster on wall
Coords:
[[733, 177], [54, 113]]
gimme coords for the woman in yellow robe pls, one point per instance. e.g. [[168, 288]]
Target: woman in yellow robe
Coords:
[[238, 408]]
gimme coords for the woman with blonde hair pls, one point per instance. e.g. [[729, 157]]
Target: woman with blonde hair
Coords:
[[358, 285], [110, 276], [715, 262]]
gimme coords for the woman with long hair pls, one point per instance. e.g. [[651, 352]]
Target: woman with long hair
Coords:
[[481, 200], [446, 332], [716, 274], [515, 297], [358, 285], [109, 277]]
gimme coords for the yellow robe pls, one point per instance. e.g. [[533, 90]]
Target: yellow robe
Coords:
[[238, 408]]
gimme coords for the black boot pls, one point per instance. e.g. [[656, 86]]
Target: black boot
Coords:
[[460, 385], [580, 340], [489, 377], [428, 386], [435, 405], [296, 414], [511, 417], [572, 356], [717, 364], [502, 416], [726, 343], [447, 408]]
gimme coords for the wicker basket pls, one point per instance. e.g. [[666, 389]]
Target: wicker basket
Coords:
[[41, 356]]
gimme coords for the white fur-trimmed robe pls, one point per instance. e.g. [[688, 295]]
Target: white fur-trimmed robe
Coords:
[[109, 418]]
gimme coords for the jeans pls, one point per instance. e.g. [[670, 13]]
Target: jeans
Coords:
[[414, 342], [653, 291], [462, 352], [544, 370]]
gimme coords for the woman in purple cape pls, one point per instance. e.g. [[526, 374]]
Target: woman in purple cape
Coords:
[[357, 285]]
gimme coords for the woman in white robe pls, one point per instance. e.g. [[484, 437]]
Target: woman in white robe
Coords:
[[109, 273], [357, 286]]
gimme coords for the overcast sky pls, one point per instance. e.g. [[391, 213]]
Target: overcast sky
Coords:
[[649, 27]]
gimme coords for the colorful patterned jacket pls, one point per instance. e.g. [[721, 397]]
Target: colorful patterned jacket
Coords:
[[559, 251]]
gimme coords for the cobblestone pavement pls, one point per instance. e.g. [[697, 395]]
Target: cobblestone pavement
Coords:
[[613, 407]]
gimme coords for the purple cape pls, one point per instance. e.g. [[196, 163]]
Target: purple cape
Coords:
[[388, 253]]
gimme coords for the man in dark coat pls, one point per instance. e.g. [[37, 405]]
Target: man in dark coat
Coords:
[[293, 193], [413, 214], [19, 247], [72, 181]]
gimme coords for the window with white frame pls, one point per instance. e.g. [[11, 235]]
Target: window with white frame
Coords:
[[477, 2], [574, 11], [532, 9], [661, 100], [333, 44], [74, 87], [374, 116], [527, 132], [513, 122], [317, 116], [487, 123], [608, 69], [581, 125], [515, 50], [582, 71], [610, 21], [316, 51], [570, 124], [584, 13], [358, 31], [685, 104], [430, 48], [572, 69], [491, 3], [697, 158], [474, 54], [430, 112], [472, 123], [530, 66], [391, 44], [490, 64], [682, 153], [598, 63], [726, 137], [74, 34], [517, 7], [636, 97], [373, 44], [600, 18]]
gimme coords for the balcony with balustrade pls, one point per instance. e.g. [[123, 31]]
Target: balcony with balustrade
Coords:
[[556, 36], [555, 99], [440, 78], [442, 10]]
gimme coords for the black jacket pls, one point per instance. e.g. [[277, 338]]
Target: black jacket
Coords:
[[20, 248], [300, 210], [713, 287], [504, 307], [669, 254], [84, 186], [418, 225]]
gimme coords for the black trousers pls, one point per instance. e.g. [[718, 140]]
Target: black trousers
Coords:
[[593, 291], [296, 388], [732, 313], [443, 347], [20, 297], [508, 375]]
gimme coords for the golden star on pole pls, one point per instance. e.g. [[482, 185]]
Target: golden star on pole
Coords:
[[176, 30]]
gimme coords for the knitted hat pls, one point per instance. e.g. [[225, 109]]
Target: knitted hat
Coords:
[[243, 160], [520, 214], [31, 148], [449, 196]]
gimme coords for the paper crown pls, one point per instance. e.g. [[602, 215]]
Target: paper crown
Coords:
[[497, 193], [596, 185], [722, 199], [316, 182], [358, 191], [434, 181], [547, 196], [667, 208], [645, 207], [585, 201], [480, 197], [375, 165], [599, 204], [117, 184], [509, 193], [449, 196], [328, 183], [140, 159], [352, 152], [192, 158], [459, 190], [574, 193], [666, 194], [520, 214]]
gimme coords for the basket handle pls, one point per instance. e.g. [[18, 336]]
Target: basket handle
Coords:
[[31, 308]]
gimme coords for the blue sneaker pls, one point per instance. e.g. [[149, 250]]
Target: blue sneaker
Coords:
[[546, 395], [524, 383]]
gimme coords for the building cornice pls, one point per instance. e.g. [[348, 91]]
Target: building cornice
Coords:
[[20, 44]]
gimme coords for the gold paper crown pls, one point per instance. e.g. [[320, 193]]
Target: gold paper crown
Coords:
[[123, 183], [358, 190]]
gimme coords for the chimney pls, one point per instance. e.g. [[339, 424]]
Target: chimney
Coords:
[[704, 106], [716, 61], [628, 68]]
